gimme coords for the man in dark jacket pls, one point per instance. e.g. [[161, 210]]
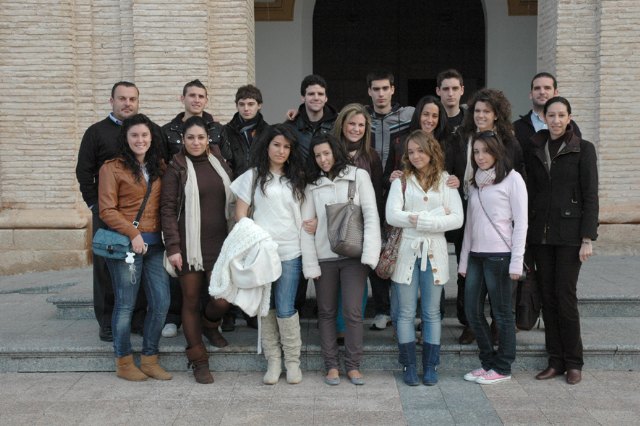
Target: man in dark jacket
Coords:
[[239, 134], [544, 86], [450, 88], [314, 116], [99, 144], [194, 98], [389, 124]]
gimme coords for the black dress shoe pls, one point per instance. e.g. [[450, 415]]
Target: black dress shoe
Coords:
[[548, 373], [105, 334], [574, 376]]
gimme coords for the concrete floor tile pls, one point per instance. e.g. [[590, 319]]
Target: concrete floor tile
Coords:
[[617, 417], [322, 416], [430, 417], [570, 415], [465, 416], [382, 417], [521, 416]]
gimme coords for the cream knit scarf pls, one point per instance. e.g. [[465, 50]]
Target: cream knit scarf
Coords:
[[192, 210]]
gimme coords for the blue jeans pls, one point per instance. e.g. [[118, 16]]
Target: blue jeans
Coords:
[[125, 286], [491, 275], [283, 291], [405, 301]]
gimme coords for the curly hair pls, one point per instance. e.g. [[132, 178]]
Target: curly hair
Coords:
[[501, 107], [431, 147], [293, 168], [152, 158], [340, 157], [345, 114]]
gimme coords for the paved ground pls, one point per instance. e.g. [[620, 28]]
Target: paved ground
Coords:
[[240, 398]]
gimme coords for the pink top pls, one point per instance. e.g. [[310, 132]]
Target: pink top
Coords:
[[506, 204]]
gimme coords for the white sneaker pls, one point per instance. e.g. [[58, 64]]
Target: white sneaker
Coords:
[[170, 330], [380, 322]]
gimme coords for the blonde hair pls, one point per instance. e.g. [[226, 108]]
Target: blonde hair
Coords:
[[432, 148], [345, 114]]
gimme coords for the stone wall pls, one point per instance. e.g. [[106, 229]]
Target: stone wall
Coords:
[[59, 61], [593, 48]]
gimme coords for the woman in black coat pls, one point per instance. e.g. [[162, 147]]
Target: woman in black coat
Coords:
[[563, 220]]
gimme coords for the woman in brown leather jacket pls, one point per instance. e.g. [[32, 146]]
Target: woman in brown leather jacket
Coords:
[[196, 205], [121, 190]]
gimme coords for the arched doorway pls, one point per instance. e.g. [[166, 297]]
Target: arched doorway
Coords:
[[415, 39]]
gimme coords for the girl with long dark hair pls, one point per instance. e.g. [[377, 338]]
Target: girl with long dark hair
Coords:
[[123, 183], [274, 189]]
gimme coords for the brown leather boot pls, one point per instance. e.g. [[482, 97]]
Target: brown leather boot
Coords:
[[149, 366], [211, 332], [126, 369], [199, 362]]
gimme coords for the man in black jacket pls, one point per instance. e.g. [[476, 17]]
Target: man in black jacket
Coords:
[[450, 88], [544, 86], [314, 116], [239, 134], [194, 98], [99, 144]]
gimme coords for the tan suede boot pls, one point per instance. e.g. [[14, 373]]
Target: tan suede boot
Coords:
[[126, 369], [199, 362], [149, 366], [271, 346], [291, 346]]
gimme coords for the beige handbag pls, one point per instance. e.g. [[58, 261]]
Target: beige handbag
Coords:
[[345, 226]]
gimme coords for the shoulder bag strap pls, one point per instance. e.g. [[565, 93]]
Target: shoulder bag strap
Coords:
[[136, 222], [504, 240]]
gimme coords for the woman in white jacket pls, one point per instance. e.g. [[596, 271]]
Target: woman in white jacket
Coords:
[[274, 187], [329, 172], [425, 209]]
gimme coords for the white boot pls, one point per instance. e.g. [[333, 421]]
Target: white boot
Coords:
[[271, 347], [291, 345]]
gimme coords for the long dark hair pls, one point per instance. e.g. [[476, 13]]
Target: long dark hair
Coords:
[[442, 131], [340, 157], [294, 166], [497, 149], [152, 158]]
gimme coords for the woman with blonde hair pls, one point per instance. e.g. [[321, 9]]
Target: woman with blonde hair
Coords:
[[425, 207]]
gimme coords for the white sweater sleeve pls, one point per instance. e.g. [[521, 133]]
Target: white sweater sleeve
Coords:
[[310, 265], [372, 239]]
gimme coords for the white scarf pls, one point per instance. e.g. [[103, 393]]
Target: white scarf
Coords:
[[192, 210]]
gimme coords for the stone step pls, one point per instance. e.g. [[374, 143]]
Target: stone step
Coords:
[[73, 345], [79, 305]]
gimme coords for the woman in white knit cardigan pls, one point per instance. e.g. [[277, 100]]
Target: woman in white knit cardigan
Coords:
[[329, 172], [425, 208]]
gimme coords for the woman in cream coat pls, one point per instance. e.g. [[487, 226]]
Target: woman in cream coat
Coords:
[[329, 174], [425, 210]]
